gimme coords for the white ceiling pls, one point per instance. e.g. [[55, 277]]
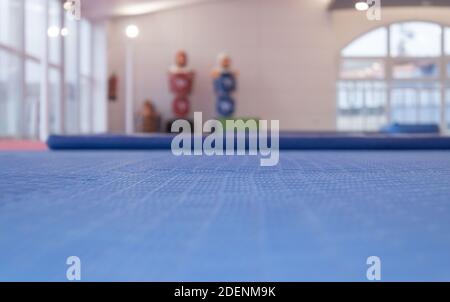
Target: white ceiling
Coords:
[[98, 9]]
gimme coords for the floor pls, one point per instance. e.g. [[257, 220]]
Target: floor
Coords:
[[21, 145], [149, 216]]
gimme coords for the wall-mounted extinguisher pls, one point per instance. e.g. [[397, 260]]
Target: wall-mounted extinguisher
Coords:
[[112, 87]]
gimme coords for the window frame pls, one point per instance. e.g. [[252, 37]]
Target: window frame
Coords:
[[47, 66], [389, 61]]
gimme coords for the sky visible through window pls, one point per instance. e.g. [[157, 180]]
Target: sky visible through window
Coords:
[[409, 39], [372, 44]]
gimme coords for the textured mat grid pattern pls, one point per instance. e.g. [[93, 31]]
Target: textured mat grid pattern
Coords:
[[152, 216]]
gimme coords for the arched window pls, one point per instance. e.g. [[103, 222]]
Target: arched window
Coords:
[[398, 73]]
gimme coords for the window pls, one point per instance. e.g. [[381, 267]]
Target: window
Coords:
[[447, 110], [415, 69], [416, 39], [402, 84], [416, 102], [54, 32], [361, 104], [11, 23], [10, 75], [362, 69], [447, 90], [447, 41], [86, 76], [33, 75], [35, 31], [54, 94], [27, 29], [71, 51]]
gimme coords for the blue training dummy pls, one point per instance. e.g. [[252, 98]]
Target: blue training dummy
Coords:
[[225, 84]]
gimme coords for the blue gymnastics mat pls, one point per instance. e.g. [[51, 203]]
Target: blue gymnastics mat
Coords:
[[288, 141], [150, 216]]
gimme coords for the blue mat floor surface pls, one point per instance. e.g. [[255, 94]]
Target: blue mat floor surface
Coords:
[[150, 216]]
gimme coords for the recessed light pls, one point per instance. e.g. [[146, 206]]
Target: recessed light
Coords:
[[132, 31], [53, 31], [64, 32], [361, 6], [68, 5]]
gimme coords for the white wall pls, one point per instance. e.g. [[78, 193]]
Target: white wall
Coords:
[[287, 52], [282, 48]]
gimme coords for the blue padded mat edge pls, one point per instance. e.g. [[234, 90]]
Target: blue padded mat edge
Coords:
[[411, 128], [288, 141]]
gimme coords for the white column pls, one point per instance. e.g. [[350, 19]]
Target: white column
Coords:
[[129, 100], [78, 77], [92, 81], [44, 115], [100, 78], [24, 123], [62, 79], [388, 77], [443, 76]]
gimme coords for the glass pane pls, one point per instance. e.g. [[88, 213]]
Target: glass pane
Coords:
[[71, 88], [447, 110], [372, 44], [54, 86], [415, 39], [54, 32], [32, 97], [86, 38], [362, 69], [11, 23], [361, 105], [85, 105], [10, 96], [416, 102], [35, 31], [447, 40], [415, 69], [86, 71]]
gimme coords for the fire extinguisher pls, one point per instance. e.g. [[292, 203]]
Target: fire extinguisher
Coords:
[[112, 87]]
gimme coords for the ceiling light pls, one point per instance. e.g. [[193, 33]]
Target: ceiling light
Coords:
[[64, 31], [53, 31], [361, 6], [132, 31], [68, 5]]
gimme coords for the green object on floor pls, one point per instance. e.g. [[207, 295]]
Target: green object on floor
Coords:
[[241, 124]]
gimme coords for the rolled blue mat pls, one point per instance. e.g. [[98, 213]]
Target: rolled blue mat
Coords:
[[287, 141], [411, 128]]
